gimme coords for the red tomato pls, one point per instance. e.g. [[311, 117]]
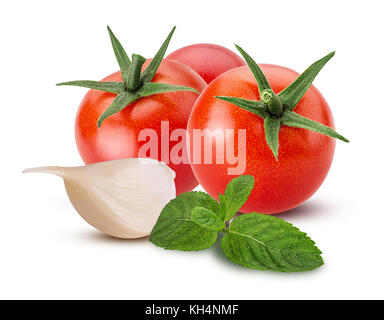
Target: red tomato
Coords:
[[118, 135], [208, 60], [304, 156]]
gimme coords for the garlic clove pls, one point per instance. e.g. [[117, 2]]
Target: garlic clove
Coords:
[[122, 198]]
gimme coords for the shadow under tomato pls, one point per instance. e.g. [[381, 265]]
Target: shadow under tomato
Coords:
[[307, 210]]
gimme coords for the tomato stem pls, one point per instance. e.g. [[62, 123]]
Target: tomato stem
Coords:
[[272, 101], [134, 82]]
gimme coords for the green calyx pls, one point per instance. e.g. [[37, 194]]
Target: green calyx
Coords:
[[277, 109], [135, 84]]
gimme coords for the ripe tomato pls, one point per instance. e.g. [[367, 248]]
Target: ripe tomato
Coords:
[[208, 60], [304, 156], [118, 135]]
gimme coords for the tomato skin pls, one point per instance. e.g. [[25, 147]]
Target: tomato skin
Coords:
[[304, 156], [118, 135], [208, 60]]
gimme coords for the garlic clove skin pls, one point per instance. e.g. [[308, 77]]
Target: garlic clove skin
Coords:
[[122, 198]]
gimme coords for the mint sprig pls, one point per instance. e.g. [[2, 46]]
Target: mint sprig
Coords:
[[192, 221]]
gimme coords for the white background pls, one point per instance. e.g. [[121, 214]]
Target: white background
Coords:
[[48, 251]]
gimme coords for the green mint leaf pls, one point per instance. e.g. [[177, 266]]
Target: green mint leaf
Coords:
[[265, 242], [236, 194], [175, 229], [207, 219], [223, 206]]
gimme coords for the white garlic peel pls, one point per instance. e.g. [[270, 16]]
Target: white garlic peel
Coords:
[[122, 198]]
